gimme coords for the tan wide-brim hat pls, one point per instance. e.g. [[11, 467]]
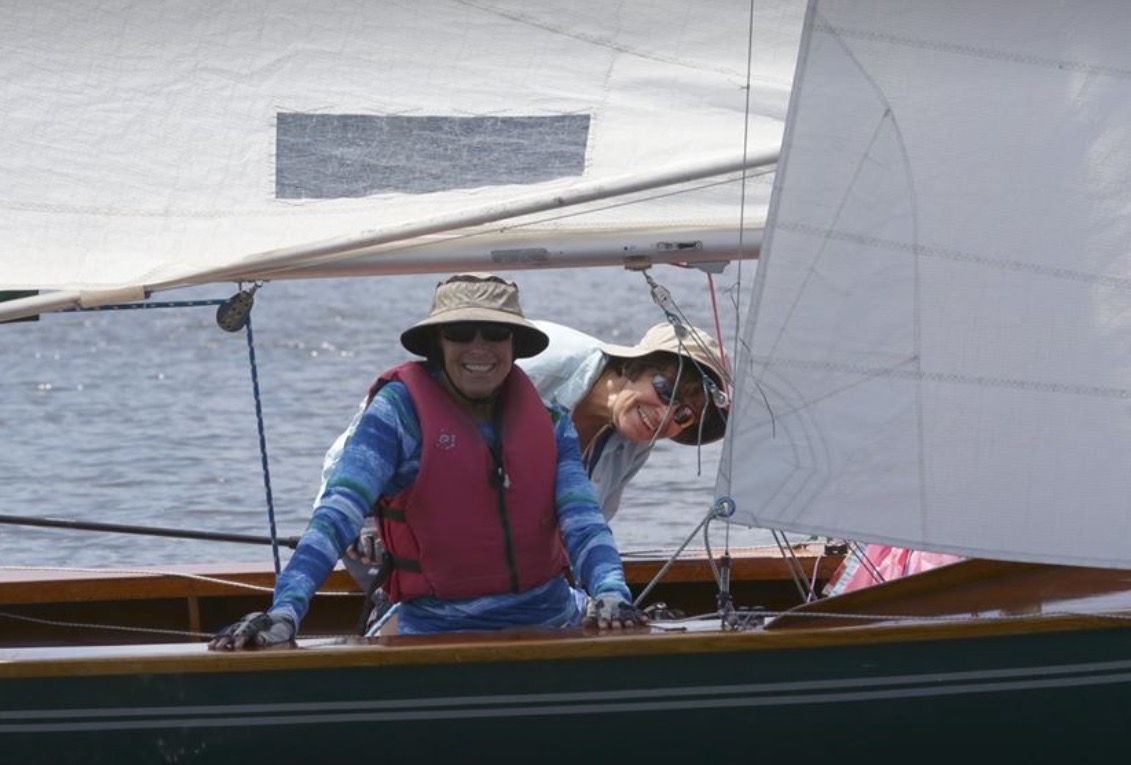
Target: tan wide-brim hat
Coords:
[[704, 355], [476, 297]]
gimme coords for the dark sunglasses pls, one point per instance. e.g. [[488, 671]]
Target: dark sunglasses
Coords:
[[465, 331], [682, 414]]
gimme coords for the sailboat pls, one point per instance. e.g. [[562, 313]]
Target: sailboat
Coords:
[[934, 355]]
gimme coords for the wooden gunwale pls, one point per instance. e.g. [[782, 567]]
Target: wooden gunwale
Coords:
[[531, 646]]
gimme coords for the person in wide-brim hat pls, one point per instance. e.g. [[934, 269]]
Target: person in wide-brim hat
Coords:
[[623, 399], [698, 355], [479, 298], [474, 483]]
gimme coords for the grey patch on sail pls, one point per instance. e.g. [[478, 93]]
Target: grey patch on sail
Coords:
[[332, 156]]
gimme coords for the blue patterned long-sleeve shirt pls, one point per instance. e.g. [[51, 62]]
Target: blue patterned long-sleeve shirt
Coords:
[[379, 455]]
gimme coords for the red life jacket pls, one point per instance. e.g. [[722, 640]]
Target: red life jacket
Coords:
[[463, 529]]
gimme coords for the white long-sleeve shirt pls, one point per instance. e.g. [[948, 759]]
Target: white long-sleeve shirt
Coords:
[[563, 374]]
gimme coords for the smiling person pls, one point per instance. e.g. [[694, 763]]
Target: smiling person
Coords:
[[477, 486], [623, 399]]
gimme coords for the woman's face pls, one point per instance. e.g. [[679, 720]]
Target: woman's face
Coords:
[[649, 406], [477, 356]]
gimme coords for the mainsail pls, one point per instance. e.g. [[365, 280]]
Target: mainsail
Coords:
[[939, 353], [168, 142]]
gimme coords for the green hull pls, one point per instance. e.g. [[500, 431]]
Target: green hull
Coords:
[[1043, 697]]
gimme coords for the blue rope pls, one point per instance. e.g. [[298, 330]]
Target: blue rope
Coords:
[[254, 386], [263, 446]]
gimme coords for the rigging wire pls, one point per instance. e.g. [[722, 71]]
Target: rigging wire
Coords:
[[721, 508], [720, 398], [736, 293], [858, 553], [797, 572], [156, 572], [672, 559], [725, 600], [232, 315], [805, 587], [149, 573]]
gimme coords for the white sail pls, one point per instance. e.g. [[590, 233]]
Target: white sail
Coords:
[[939, 356], [172, 141]]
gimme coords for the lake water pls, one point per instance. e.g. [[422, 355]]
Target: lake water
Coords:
[[147, 417]]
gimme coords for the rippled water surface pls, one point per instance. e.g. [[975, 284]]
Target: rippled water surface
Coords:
[[148, 418]]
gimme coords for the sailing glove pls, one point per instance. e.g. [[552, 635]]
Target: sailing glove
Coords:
[[256, 630], [613, 612], [367, 547]]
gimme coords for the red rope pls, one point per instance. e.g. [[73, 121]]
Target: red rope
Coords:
[[718, 327]]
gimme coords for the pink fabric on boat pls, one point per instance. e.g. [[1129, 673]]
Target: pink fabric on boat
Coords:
[[890, 562]]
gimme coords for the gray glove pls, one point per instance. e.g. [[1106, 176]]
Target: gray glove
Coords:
[[368, 547], [256, 630], [613, 612]]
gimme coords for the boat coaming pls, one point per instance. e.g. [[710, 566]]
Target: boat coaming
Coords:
[[106, 607], [1033, 688]]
